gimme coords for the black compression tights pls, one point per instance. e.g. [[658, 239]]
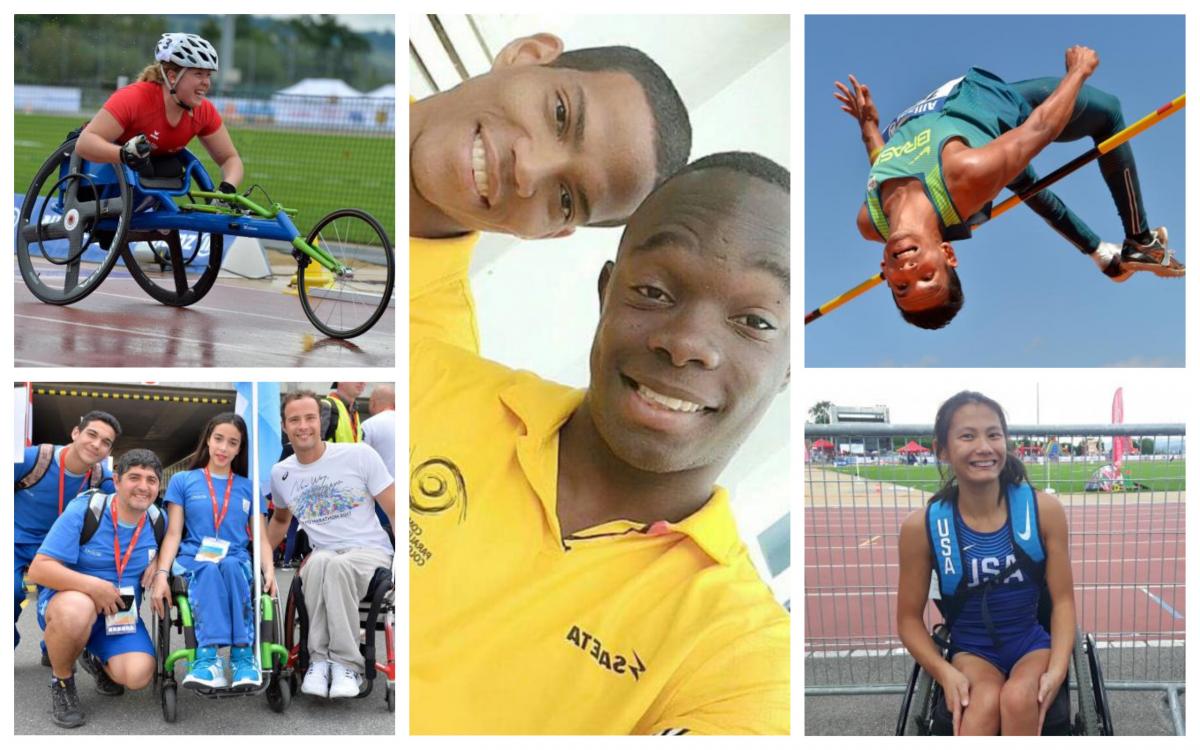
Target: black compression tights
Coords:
[[1097, 116]]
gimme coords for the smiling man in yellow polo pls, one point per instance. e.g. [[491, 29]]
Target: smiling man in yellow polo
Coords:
[[573, 568]]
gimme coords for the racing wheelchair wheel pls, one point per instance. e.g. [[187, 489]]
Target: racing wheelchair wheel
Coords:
[[176, 284], [346, 306], [65, 212]]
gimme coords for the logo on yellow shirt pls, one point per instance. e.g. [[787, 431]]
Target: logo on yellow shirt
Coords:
[[613, 662], [435, 486]]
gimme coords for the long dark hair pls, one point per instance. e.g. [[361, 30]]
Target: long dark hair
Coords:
[[241, 462], [1013, 471]]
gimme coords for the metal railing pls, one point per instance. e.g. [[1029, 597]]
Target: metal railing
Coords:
[[1126, 536]]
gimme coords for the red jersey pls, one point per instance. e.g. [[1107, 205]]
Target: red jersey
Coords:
[[139, 108]]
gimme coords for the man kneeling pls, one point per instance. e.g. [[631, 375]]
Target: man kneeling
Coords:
[[332, 489], [90, 565]]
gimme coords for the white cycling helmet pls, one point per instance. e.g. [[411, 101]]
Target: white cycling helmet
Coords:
[[186, 50]]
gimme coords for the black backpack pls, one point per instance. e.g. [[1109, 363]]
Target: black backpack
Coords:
[[98, 501]]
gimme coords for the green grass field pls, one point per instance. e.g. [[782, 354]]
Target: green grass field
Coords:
[[312, 172], [1063, 477]]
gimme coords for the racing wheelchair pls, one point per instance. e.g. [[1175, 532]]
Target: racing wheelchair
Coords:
[[923, 710], [376, 611], [78, 217], [271, 652]]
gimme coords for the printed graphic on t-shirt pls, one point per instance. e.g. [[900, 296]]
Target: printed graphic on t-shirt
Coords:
[[321, 500]]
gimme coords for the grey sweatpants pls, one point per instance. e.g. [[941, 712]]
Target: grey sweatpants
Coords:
[[334, 582]]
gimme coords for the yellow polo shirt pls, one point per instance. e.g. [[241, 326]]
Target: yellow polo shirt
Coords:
[[441, 305], [624, 628]]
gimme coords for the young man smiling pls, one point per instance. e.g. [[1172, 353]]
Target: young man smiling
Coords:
[[47, 480], [573, 568], [545, 142]]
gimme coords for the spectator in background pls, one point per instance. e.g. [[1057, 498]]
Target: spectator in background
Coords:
[[379, 431]]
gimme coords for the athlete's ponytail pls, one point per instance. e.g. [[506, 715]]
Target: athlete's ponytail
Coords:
[[1013, 471], [154, 73]]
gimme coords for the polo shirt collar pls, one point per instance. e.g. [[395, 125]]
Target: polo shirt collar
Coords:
[[544, 408]]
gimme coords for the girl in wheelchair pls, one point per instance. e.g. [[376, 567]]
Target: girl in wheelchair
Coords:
[[996, 548], [209, 510], [160, 113]]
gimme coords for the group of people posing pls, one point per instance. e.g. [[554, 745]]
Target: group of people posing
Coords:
[[93, 540]]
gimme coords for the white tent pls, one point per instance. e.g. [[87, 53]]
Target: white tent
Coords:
[[320, 87], [386, 91]]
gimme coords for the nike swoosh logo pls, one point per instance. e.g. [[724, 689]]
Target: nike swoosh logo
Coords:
[[969, 546], [1024, 536]]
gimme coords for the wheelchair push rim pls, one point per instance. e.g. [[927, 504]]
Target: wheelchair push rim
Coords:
[[59, 223], [348, 304]]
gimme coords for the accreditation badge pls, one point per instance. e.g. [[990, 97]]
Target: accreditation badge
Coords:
[[124, 621], [212, 550]]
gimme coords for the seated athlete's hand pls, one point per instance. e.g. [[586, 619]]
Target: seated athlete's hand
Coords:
[[136, 152], [1083, 59], [160, 594], [105, 596], [269, 585], [956, 688], [857, 101], [1048, 687]]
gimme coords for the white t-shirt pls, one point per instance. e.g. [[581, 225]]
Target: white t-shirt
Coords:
[[379, 432], [333, 497]]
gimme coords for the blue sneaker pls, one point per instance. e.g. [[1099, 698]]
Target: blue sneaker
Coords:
[[245, 671], [205, 670]]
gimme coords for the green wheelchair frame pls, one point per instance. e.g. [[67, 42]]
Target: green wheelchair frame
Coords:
[[273, 655]]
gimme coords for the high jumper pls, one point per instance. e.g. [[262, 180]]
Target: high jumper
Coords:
[[944, 159]]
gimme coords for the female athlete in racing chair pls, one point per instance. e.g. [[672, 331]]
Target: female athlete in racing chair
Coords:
[[999, 548], [147, 122], [209, 510]]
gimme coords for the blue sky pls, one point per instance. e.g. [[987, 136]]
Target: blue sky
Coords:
[[1031, 298]]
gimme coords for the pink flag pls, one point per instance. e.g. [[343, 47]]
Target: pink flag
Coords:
[[1120, 442]]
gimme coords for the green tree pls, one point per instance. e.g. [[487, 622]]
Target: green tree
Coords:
[[820, 412]]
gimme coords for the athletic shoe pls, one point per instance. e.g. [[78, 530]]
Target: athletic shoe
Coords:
[[65, 701], [1152, 256], [346, 683], [104, 684], [205, 670], [316, 679], [245, 671]]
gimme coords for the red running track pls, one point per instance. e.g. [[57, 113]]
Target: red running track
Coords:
[[1127, 560]]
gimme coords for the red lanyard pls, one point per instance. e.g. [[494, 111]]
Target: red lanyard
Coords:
[[62, 477], [218, 519], [117, 559]]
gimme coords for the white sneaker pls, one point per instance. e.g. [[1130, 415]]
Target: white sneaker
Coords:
[[346, 683], [316, 679]]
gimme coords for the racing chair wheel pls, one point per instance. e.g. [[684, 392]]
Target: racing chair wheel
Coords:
[[177, 285], [71, 205]]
